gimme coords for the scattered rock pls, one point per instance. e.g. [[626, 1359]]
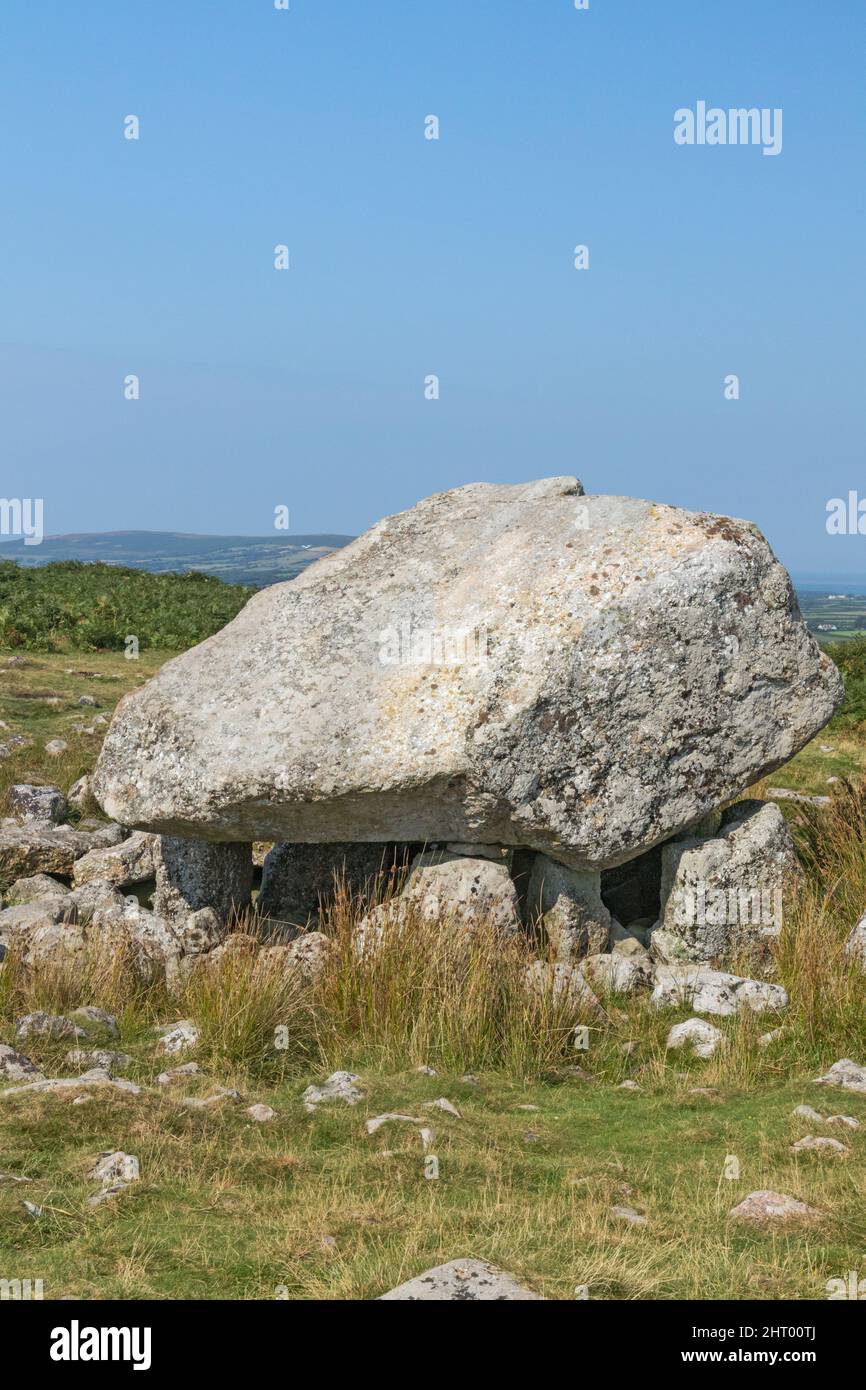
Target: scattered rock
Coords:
[[88, 702], [846, 1074], [340, 1085], [805, 1112], [461, 1281], [855, 946], [55, 747], [112, 1062], [427, 1071], [775, 1207], [177, 1037], [443, 1104], [61, 1084], [696, 1033], [714, 991], [178, 1074], [35, 889], [767, 1039], [222, 1093], [562, 982], [391, 1117], [629, 1215], [821, 1144], [261, 1113], [80, 792], [847, 1120], [618, 974], [628, 1085], [106, 1194], [14, 1066], [33, 1210], [124, 864], [56, 1027], [37, 805], [116, 1166], [38, 849]]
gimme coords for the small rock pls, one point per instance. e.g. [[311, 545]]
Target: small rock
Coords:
[[701, 1036], [43, 1025], [845, 1073], [14, 1066], [55, 746], [112, 1062], [261, 1113], [774, 1035], [390, 1117], [116, 1166], [628, 1086], [443, 1104], [805, 1112], [35, 889], [88, 702], [170, 1078], [340, 1085], [427, 1071], [629, 1215], [767, 1206], [461, 1281], [821, 1144], [847, 1120], [177, 1037], [33, 1210]]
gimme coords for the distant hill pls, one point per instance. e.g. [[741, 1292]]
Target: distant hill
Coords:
[[257, 560]]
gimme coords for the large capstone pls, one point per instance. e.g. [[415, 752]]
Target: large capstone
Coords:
[[506, 665]]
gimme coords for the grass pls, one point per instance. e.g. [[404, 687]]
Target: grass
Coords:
[[309, 1206]]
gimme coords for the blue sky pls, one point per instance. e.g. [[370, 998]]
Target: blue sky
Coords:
[[411, 257]]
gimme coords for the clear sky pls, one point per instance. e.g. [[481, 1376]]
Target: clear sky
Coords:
[[411, 257]]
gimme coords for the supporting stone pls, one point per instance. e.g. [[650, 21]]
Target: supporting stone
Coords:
[[191, 874], [567, 904]]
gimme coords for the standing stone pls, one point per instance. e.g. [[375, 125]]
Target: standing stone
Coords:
[[506, 665], [722, 897], [567, 904], [191, 874]]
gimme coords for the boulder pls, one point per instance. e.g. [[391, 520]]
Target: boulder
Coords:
[[722, 897], [35, 889], [618, 974], [713, 991], [340, 1085], [297, 879], [14, 1066], [40, 849], [191, 874], [39, 1024], [36, 804], [124, 864], [695, 1033], [461, 1281], [566, 904], [585, 676]]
